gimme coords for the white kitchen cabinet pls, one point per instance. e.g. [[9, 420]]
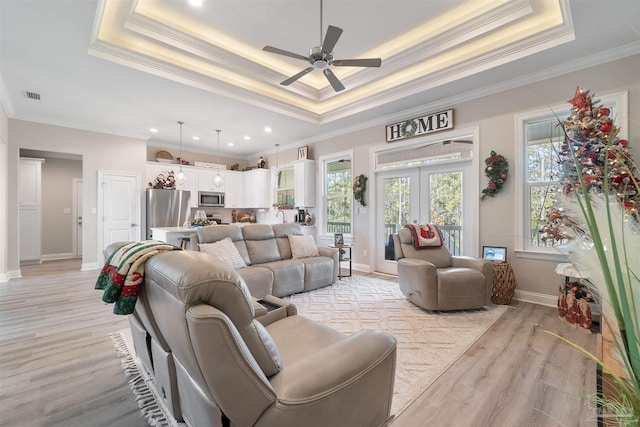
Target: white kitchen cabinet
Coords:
[[234, 195], [304, 184], [190, 185], [30, 210], [205, 180], [258, 188]]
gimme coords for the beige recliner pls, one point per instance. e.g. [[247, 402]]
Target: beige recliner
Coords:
[[284, 370], [151, 347], [434, 280]]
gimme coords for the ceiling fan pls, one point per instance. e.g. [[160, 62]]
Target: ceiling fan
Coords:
[[321, 58]]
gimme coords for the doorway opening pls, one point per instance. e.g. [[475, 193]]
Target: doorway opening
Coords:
[[61, 207]]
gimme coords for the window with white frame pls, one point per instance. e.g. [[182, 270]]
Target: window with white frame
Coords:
[[338, 192], [540, 140], [543, 141]]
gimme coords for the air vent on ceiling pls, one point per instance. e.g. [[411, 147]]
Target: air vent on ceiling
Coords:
[[33, 95]]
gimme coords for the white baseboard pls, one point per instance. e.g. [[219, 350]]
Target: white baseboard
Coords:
[[53, 257], [86, 266], [11, 274], [361, 267], [536, 298]]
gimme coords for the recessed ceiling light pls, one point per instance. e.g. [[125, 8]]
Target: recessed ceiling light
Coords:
[[247, 137], [196, 138], [153, 130], [195, 2], [230, 144], [267, 129]]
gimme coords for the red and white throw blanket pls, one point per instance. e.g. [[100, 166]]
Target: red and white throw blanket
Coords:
[[425, 236], [123, 273]]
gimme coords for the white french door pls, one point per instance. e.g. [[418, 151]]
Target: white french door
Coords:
[[398, 203], [440, 194]]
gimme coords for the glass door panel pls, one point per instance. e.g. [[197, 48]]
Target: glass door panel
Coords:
[[444, 201], [398, 204]]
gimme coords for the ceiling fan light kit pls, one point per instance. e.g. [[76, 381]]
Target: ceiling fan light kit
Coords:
[[321, 58]]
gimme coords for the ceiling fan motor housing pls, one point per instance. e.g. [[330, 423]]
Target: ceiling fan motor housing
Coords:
[[319, 59]]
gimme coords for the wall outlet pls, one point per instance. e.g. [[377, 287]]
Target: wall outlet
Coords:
[[365, 252]]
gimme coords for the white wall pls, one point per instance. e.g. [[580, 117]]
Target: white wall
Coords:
[[99, 152], [57, 202], [4, 184]]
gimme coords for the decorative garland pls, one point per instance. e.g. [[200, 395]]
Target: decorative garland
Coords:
[[164, 181], [497, 170], [359, 188]]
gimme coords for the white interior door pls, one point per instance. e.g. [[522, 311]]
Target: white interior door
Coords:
[[77, 217], [398, 203], [120, 207]]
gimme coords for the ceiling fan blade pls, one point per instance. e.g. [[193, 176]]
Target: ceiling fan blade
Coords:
[[331, 38], [284, 53], [370, 62], [297, 76], [335, 83]]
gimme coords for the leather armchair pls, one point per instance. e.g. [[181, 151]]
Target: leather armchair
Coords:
[[284, 371], [435, 280]]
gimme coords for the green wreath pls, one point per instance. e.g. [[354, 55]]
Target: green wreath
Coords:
[[409, 128], [498, 171], [359, 188]]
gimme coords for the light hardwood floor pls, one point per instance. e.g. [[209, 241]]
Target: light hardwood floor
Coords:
[[58, 366]]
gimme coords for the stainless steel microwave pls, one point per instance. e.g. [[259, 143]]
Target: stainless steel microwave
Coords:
[[210, 198]]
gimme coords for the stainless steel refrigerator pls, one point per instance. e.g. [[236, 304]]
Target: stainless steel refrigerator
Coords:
[[166, 208]]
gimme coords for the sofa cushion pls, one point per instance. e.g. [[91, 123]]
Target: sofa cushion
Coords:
[[318, 272], [288, 276], [225, 251], [258, 279], [303, 246], [261, 243], [282, 233]]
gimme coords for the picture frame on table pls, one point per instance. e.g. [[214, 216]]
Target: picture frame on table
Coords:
[[303, 152], [338, 239], [494, 253]]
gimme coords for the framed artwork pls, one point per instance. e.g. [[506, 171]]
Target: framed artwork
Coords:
[[303, 152], [494, 253], [338, 239]]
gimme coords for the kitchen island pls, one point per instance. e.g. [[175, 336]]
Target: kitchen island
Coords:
[[172, 235]]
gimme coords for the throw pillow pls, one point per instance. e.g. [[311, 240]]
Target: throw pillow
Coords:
[[303, 246], [225, 251]]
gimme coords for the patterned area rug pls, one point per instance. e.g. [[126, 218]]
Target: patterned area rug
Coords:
[[428, 342]]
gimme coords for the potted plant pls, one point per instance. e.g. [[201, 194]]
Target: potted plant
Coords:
[[599, 213]]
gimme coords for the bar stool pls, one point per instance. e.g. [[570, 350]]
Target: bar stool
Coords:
[[184, 244]]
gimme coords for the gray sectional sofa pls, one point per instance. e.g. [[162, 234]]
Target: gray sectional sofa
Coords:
[[271, 268]]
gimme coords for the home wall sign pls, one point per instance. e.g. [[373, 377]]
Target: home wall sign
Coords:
[[418, 126]]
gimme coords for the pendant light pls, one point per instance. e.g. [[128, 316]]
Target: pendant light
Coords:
[[218, 180], [181, 177]]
